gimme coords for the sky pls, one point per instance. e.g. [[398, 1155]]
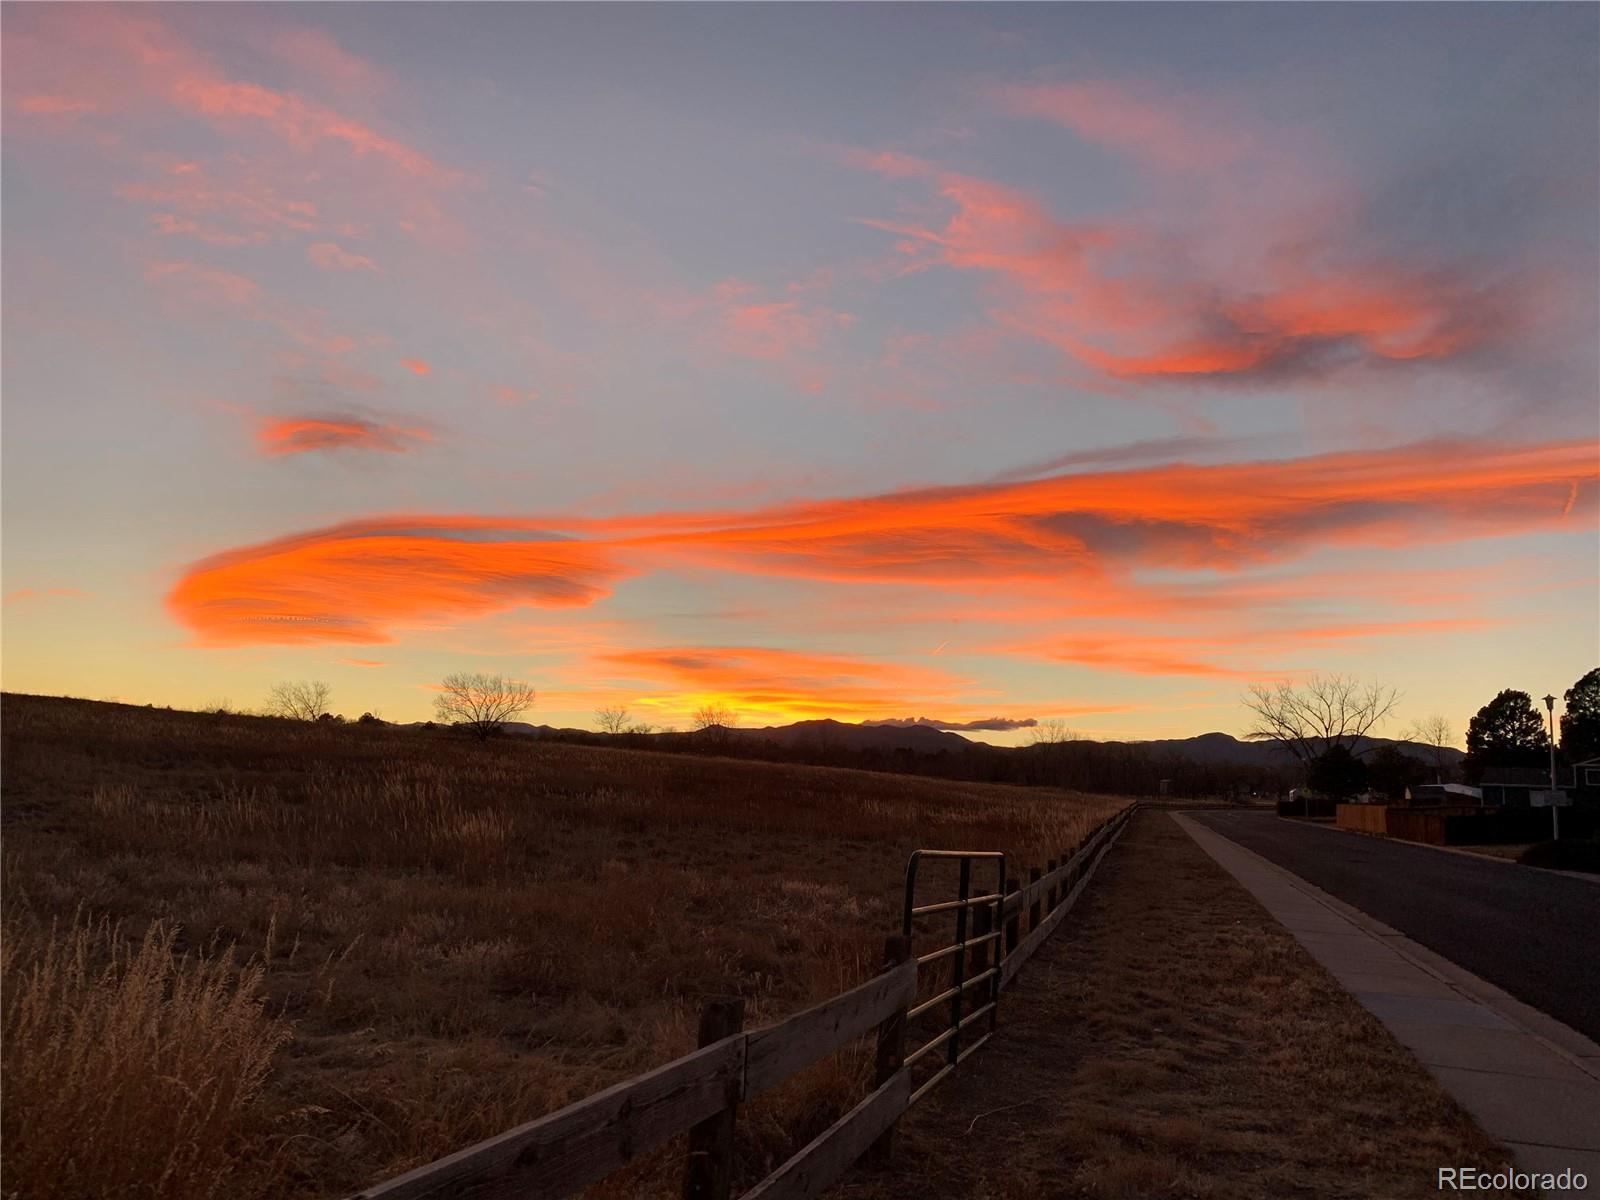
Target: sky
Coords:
[[983, 364]]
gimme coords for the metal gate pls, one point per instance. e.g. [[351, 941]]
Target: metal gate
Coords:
[[978, 926]]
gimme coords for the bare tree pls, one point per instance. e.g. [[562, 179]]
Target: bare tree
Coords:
[[1435, 734], [641, 728], [481, 703], [1319, 714], [612, 720], [303, 701], [1051, 732], [712, 716]]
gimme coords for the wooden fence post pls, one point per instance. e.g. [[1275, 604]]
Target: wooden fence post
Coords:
[[709, 1173], [1050, 899], [1034, 875], [1014, 922], [891, 1043]]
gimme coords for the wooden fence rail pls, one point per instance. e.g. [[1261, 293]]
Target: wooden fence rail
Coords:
[[570, 1149]]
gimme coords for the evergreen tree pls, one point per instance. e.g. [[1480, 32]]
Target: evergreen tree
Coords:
[[1337, 773], [1580, 723], [1506, 732]]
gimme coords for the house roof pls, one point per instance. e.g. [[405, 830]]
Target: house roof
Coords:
[[1446, 789], [1516, 776]]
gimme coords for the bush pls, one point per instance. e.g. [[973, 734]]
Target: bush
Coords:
[[1569, 854], [129, 1072]]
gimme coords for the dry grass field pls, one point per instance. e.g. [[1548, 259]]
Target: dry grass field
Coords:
[[253, 958]]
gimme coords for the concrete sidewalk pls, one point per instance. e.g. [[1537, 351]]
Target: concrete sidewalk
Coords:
[[1528, 1080]]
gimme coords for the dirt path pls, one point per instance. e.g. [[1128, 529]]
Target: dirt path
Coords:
[[1174, 1041]]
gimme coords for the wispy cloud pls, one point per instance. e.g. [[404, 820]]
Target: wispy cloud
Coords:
[[205, 286], [1148, 450], [303, 435], [1219, 655], [332, 257], [1174, 133], [1273, 282], [19, 595]]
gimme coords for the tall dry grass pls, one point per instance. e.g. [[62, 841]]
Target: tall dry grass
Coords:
[[130, 1071], [465, 936]]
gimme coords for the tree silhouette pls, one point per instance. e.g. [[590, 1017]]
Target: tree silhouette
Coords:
[[481, 703], [1580, 723], [713, 716], [1506, 732], [1323, 712], [303, 701], [612, 720], [1391, 771], [1051, 732], [1436, 734]]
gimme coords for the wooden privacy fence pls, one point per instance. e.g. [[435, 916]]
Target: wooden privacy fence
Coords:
[[700, 1093], [1366, 818]]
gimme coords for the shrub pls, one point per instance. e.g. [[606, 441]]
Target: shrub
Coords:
[[1569, 854], [130, 1071]]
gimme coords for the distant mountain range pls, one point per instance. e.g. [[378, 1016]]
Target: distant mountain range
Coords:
[[1225, 748], [1208, 748]]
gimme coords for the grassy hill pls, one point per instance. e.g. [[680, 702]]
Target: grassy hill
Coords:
[[446, 937]]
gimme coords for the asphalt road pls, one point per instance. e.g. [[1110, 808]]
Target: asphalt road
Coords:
[[1534, 933]]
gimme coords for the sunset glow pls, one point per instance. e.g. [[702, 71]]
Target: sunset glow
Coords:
[[1019, 366]]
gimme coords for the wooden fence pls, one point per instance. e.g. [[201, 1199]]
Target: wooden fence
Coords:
[[1365, 818], [700, 1093]]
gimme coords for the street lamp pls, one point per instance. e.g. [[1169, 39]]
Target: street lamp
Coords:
[[1555, 809]]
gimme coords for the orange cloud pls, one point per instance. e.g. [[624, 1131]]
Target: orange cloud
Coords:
[[356, 583], [1114, 297], [776, 330], [246, 207], [317, 55], [205, 286], [1146, 654], [27, 593], [300, 435], [1167, 133], [299, 122], [415, 365], [764, 683], [331, 257], [119, 69], [1062, 535], [203, 290], [118, 58], [69, 107], [789, 332], [362, 662]]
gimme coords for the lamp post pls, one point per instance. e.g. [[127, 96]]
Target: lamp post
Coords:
[[1555, 809]]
